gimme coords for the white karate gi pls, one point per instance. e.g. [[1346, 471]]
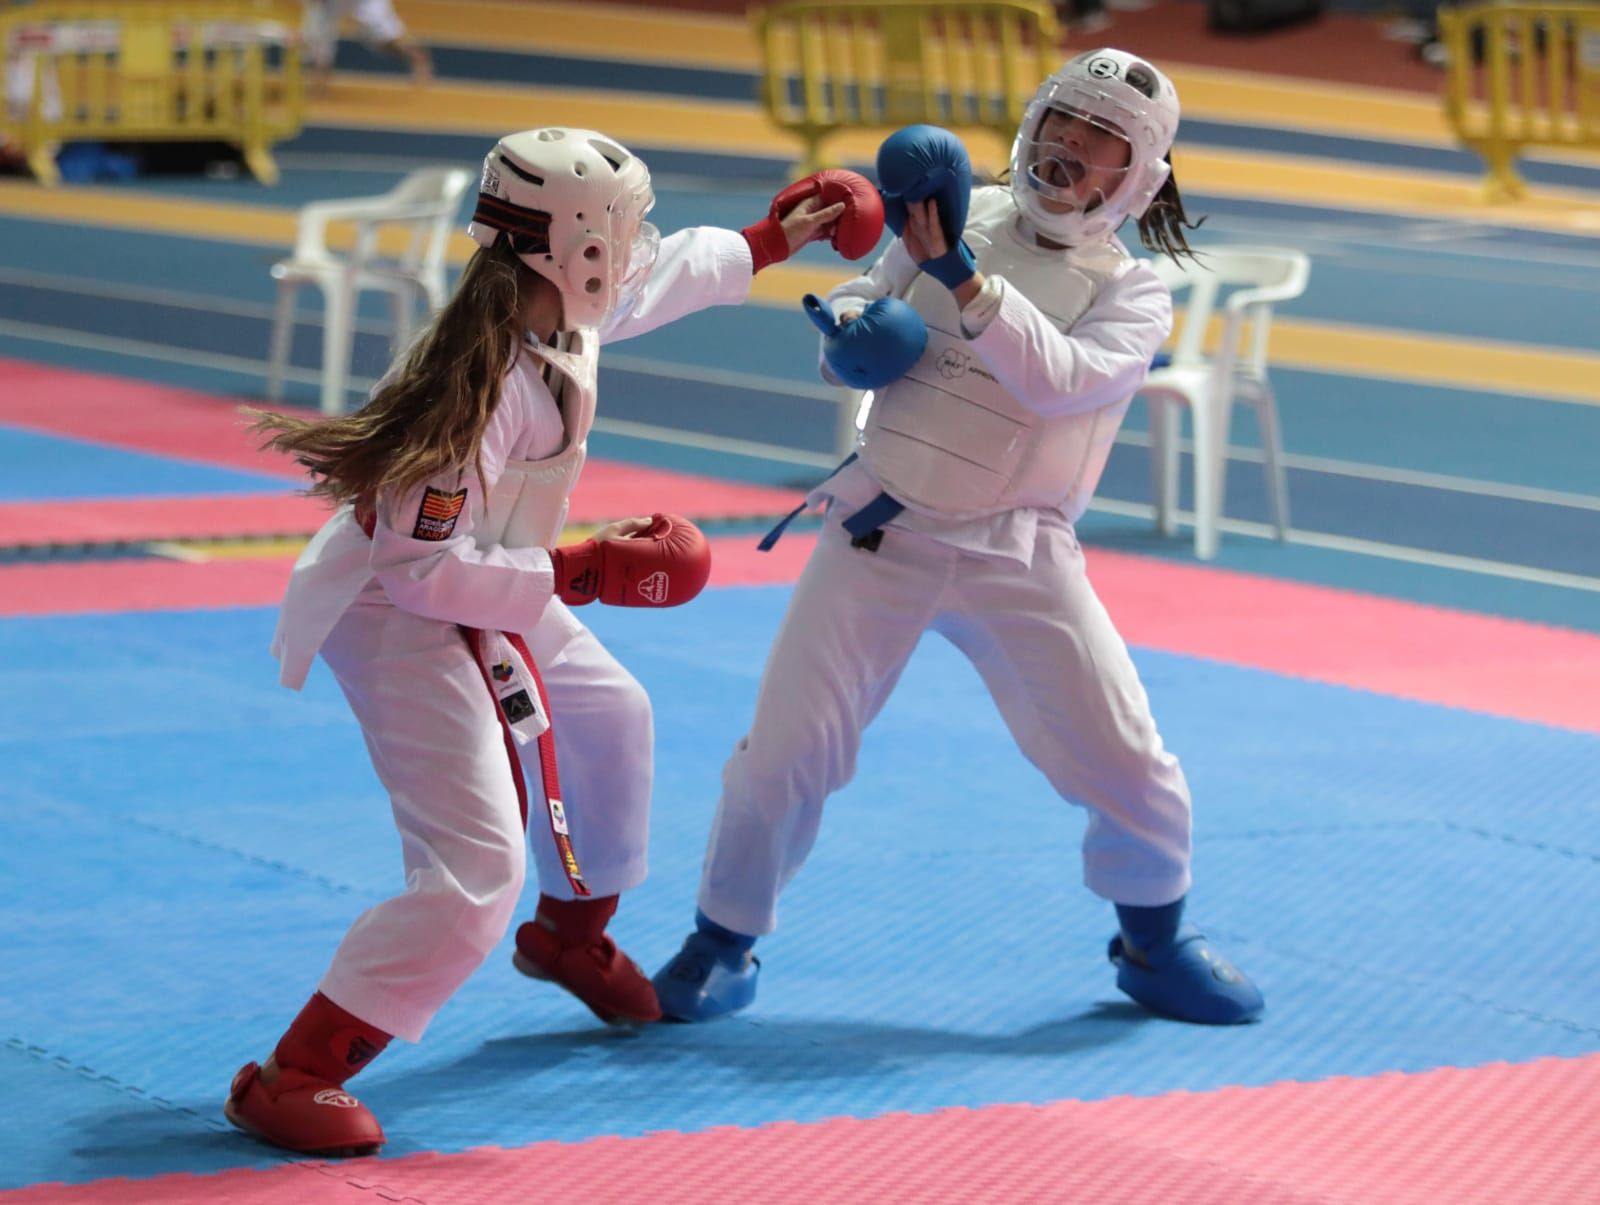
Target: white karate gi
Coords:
[[384, 612], [1006, 585]]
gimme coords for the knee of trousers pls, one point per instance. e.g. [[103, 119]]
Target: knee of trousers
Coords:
[[781, 772], [631, 714], [487, 899]]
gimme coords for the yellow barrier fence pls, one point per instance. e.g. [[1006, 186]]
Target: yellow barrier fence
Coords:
[[832, 65], [153, 71], [1522, 75]]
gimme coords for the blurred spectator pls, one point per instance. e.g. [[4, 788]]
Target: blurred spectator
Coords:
[[1082, 16], [380, 27], [21, 67]]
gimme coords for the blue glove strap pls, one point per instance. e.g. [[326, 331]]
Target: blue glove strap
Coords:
[[894, 213], [820, 313], [954, 268]]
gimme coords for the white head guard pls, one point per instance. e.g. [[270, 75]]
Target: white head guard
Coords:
[[1116, 91], [572, 203]]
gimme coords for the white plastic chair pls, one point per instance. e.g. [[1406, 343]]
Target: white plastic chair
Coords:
[[1256, 278], [426, 202]]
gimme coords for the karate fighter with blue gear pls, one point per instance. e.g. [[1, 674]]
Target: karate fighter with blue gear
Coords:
[[957, 514]]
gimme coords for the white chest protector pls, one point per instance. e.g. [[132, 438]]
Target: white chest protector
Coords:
[[947, 437], [527, 507]]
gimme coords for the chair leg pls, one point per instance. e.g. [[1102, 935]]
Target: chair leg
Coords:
[[414, 309], [1166, 427], [282, 339], [1272, 449], [400, 309], [337, 319], [1210, 472]]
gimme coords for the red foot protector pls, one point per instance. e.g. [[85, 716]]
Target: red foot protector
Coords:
[[566, 943], [301, 1112]]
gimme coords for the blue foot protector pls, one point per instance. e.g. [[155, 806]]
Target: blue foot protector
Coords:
[[1187, 980], [713, 975]]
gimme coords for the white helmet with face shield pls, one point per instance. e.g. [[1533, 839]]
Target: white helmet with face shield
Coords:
[[572, 204], [1108, 115]]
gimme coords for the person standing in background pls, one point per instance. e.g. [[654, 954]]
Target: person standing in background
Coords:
[[381, 29]]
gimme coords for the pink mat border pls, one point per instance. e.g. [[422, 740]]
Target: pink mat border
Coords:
[[1501, 667], [1499, 1133]]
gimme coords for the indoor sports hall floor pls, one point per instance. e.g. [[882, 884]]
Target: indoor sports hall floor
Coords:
[[1391, 723]]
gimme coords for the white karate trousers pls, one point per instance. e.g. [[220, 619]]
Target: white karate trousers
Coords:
[[434, 734], [1045, 647]]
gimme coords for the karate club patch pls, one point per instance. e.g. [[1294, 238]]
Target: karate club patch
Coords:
[[517, 707], [437, 518]]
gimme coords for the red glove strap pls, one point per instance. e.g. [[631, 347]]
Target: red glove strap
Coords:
[[577, 572], [768, 243]]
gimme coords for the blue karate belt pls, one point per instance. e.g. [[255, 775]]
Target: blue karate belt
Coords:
[[865, 526]]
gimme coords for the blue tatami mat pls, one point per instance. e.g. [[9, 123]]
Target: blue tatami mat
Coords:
[[36, 468], [185, 842]]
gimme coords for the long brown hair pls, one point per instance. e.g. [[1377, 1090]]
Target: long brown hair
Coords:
[[429, 415]]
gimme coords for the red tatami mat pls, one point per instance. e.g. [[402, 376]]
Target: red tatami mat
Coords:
[[186, 425], [1506, 667], [608, 490], [140, 520], [130, 414], [1496, 1134], [66, 587], [1502, 667]]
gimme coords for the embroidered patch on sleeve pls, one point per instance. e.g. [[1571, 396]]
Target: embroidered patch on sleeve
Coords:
[[437, 518]]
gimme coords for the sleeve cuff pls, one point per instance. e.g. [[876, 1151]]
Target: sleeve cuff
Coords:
[[984, 308]]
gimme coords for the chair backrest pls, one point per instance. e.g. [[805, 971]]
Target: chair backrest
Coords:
[[432, 196], [425, 205], [1246, 282]]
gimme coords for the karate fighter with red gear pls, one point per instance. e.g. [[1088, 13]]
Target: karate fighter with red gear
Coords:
[[438, 598], [957, 514]]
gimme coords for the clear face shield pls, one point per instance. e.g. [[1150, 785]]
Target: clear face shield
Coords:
[[1075, 162], [636, 269], [639, 258]]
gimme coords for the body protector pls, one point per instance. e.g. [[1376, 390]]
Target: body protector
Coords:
[[573, 204], [947, 438], [527, 507], [1116, 92]]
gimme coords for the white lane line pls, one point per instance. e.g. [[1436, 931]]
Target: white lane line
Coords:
[[1372, 548], [716, 443], [784, 455], [242, 365], [1393, 476], [1422, 239], [645, 366]]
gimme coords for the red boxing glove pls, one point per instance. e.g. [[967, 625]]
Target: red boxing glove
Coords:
[[855, 233], [664, 565], [860, 226]]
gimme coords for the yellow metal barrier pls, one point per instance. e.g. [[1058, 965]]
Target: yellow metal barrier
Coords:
[[1522, 75], [831, 65], [154, 71]]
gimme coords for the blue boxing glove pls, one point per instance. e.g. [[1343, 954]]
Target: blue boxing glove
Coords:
[[924, 161], [874, 349]]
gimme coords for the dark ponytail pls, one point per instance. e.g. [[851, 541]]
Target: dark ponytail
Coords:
[[1161, 226]]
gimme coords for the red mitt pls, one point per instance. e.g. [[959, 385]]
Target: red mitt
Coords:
[[855, 233], [666, 564]]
